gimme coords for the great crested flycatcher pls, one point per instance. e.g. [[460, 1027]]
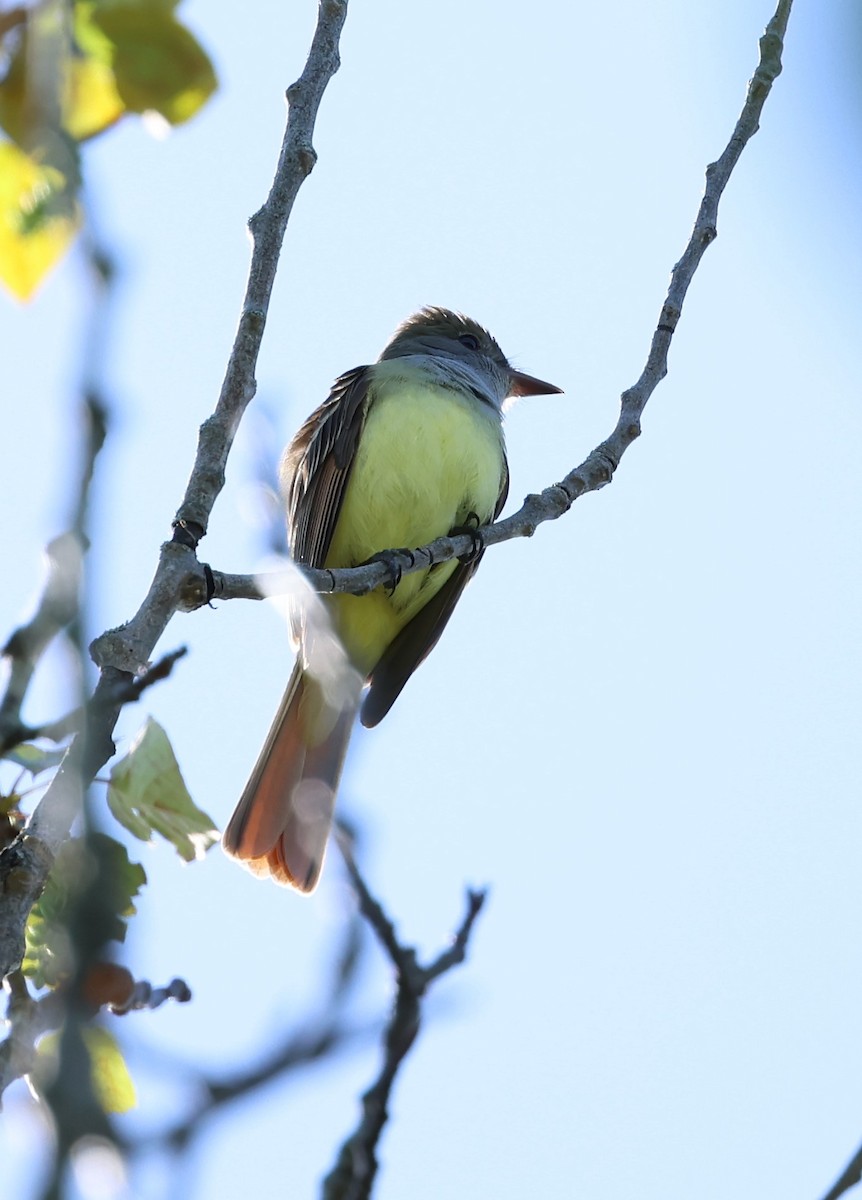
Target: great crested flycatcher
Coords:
[[400, 453]]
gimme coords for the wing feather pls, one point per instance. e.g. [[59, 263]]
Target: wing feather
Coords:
[[317, 465]]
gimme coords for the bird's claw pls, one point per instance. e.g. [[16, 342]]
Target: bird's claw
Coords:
[[471, 529], [391, 560]]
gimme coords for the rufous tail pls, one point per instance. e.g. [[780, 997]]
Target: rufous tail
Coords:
[[281, 824]]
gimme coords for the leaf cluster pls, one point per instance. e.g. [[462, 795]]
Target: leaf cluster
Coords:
[[147, 795], [72, 71], [48, 959]]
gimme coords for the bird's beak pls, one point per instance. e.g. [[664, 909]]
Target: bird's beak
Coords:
[[529, 385]]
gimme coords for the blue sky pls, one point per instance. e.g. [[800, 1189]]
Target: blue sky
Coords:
[[641, 729]]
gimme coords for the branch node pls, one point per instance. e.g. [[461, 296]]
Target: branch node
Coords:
[[306, 157], [604, 463], [197, 589], [112, 649], [569, 493], [187, 532], [24, 865]]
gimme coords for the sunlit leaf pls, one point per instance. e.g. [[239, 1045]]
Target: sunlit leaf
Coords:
[[48, 952], [147, 793], [38, 220], [158, 64], [92, 102], [109, 1074], [112, 1082]]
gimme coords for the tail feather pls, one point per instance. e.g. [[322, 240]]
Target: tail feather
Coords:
[[281, 824]]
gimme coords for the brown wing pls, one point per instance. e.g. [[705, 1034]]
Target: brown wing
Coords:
[[317, 466], [416, 641]]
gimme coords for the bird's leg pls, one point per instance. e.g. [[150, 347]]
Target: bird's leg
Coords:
[[390, 559], [471, 528]]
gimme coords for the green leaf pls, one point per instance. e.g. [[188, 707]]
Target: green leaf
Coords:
[[92, 103], [33, 758], [126, 879], [158, 64], [112, 1082], [109, 1074], [147, 793], [48, 953], [38, 219]]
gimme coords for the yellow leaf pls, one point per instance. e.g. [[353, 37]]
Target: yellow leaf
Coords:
[[112, 1082], [91, 101], [38, 220], [109, 1074]]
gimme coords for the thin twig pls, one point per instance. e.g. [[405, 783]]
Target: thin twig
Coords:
[[11, 18], [28, 1019], [57, 606], [849, 1177], [352, 1177], [127, 691], [324, 1031]]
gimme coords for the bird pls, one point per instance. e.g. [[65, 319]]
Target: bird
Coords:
[[404, 450]]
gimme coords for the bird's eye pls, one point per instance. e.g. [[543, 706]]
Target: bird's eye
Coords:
[[469, 340]]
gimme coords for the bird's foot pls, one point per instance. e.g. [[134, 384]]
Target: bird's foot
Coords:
[[392, 560], [471, 528]]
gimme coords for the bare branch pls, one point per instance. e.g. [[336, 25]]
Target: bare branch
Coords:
[[129, 647], [17, 15], [57, 606], [325, 1030], [126, 691], [849, 1177], [45, 821], [300, 1049], [27, 1020], [352, 1177], [598, 468], [24, 865], [142, 995]]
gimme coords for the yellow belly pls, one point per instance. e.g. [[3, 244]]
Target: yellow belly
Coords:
[[425, 461]]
